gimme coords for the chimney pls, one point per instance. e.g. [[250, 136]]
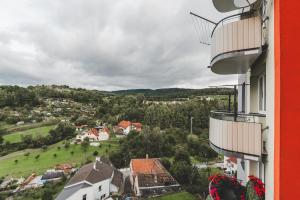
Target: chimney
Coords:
[[95, 163]]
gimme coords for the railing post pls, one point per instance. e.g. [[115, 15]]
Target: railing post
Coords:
[[235, 104], [229, 102]]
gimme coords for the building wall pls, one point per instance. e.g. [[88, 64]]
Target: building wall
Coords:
[[269, 133], [104, 188], [92, 192], [79, 194]]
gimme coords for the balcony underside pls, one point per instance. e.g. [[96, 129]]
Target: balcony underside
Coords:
[[237, 62], [230, 5]]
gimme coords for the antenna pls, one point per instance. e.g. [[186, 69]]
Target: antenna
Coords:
[[203, 27]]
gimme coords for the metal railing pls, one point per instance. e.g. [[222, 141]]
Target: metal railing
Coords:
[[239, 117], [233, 18]]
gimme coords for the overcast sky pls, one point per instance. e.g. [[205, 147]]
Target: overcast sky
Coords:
[[105, 44]]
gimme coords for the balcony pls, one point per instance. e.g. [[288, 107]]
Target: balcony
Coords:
[[241, 138], [235, 45]]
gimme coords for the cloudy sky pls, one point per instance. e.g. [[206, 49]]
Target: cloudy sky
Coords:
[[105, 44]]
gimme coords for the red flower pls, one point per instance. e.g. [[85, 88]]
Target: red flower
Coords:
[[258, 186]]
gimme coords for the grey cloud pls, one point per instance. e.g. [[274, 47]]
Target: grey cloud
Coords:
[[107, 45]]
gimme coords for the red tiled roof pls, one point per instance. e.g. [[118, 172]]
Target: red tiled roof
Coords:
[[106, 130], [232, 159], [124, 124], [94, 131], [147, 166], [137, 125]]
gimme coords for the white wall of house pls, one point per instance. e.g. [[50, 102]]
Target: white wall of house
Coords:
[[127, 130], [79, 194], [93, 192], [103, 136]]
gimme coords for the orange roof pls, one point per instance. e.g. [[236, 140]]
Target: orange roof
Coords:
[[137, 125], [94, 132], [106, 130], [147, 166], [124, 124], [232, 159]]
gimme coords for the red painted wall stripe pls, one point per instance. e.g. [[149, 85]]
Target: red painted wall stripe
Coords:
[[287, 99]]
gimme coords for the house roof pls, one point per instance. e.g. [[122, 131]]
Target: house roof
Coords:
[[92, 173], [52, 175], [67, 192], [137, 125], [124, 124], [63, 166], [232, 159], [147, 166], [117, 179], [94, 131], [151, 180]]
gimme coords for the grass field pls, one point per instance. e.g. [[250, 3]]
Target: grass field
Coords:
[[16, 136], [26, 165], [176, 196]]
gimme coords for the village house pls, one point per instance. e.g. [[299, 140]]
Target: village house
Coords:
[[148, 178], [230, 165], [94, 134], [124, 127], [96, 180]]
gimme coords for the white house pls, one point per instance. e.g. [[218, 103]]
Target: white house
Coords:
[[94, 135], [94, 181], [124, 127]]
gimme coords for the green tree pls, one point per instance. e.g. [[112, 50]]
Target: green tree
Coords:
[[85, 144], [47, 195]]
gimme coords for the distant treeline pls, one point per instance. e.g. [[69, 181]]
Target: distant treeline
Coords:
[[175, 93], [15, 96]]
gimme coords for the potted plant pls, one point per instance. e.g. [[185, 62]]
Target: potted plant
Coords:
[[255, 189], [223, 187]]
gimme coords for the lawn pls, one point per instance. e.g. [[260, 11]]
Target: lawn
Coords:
[[26, 165], [176, 196], [16, 136]]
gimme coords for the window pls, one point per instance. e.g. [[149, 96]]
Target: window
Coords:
[[103, 196], [262, 93], [84, 197], [100, 188]]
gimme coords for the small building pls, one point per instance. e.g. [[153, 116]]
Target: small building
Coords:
[[96, 180], [20, 123], [52, 176], [230, 165], [94, 135], [66, 168], [124, 127], [148, 178]]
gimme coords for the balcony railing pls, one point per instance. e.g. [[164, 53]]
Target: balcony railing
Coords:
[[238, 138], [236, 44]]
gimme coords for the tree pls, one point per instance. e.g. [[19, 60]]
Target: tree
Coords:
[[72, 153], [37, 157], [95, 153], [85, 144], [166, 163], [182, 172], [67, 145], [26, 154], [47, 195], [16, 161], [1, 139], [54, 155], [182, 155]]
